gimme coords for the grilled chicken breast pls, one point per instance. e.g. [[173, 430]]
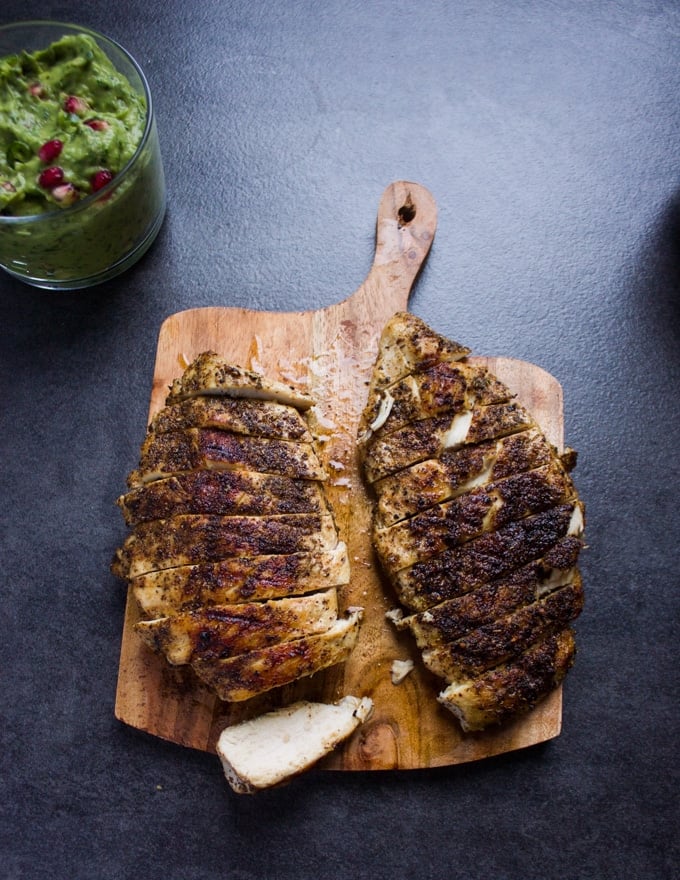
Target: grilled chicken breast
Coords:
[[512, 688], [221, 631], [244, 676], [211, 375], [190, 538], [239, 579], [408, 347], [234, 556], [254, 418], [430, 437], [477, 525], [243, 493], [194, 448]]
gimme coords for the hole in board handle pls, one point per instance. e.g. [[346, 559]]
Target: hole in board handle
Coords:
[[407, 212]]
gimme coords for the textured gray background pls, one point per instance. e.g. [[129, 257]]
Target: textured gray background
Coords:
[[548, 134]]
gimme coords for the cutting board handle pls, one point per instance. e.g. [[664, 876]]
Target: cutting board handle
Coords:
[[405, 228]]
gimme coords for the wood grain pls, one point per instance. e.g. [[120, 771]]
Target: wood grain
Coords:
[[330, 352]]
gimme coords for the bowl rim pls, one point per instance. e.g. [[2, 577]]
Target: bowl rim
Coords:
[[100, 194]]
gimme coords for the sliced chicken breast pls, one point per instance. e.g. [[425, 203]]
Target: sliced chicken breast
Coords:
[[455, 472], [408, 345], [553, 536], [273, 748], [483, 509], [194, 448], [444, 388], [513, 688], [239, 579], [242, 493], [221, 631], [430, 437], [506, 637], [254, 418], [453, 619], [476, 524], [209, 374], [247, 675], [194, 538]]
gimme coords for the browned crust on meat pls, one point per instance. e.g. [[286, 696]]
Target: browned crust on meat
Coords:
[[513, 688], [256, 418], [425, 439], [247, 675], [210, 374], [222, 631], [489, 557], [433, 481], [408, 345], [443, 388], [455, 618], [240, 579], [197, 538], [242, 493], [180, 451], [501, 640], [481, 510]]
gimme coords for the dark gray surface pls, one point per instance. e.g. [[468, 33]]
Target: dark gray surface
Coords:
[[547, 132]]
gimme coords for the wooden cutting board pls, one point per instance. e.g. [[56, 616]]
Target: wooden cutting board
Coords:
[[330, 352]]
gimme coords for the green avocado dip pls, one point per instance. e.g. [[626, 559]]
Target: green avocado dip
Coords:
[[65, 109], [70, 123]]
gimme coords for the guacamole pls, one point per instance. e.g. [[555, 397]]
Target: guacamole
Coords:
[[74, 210], [68, 123]]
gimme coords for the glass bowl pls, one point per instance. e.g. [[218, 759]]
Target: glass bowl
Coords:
[[106, 231]]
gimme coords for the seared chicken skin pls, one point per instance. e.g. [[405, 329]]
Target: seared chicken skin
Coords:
[[477, 525], [234, 557]]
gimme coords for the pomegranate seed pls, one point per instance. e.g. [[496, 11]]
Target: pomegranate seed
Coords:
[[75, 105], [37, 90], [66, 194], [52, 176], [100, 179], [50, 150], [97, 124]]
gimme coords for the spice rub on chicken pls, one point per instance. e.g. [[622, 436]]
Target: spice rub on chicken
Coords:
[[476, 523], [233, 556]]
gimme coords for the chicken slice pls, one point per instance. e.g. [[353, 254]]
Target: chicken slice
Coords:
[[255, 418], [194, 448], [408, 345], [453, 619], [553, 538], [481, 510], [499, 641], [193, 538], [247, 675], [211, 374], [443, 388], [221, 631], [430, 437], [512, 688], [274, 747], [243, 493], [239, 579], [430, 482]]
